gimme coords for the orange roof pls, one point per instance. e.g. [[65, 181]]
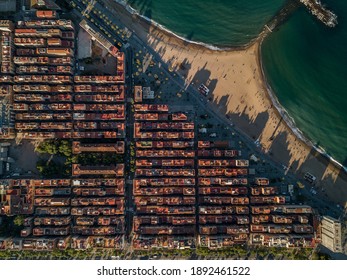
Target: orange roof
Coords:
[[46, 14], [114, 51], [22, 30], [53, 41]]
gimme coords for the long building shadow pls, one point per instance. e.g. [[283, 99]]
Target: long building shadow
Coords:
[[202, 76], [330, 179], [256, 123], [335, 256]]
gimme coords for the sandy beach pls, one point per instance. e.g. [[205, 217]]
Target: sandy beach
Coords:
[[239, 89]]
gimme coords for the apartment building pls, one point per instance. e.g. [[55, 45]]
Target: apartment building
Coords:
[[62, 209], [332, 234], [41, 52], [164, 188]]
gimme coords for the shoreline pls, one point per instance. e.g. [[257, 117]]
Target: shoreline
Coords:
[[289, 120], [273, 97], [168, 32], [296, 150]]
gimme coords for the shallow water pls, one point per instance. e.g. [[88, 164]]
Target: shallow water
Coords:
[[305, 62], [216, 22]]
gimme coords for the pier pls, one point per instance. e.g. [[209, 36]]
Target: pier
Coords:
[[323, 14], [288, 9], [315, 7]]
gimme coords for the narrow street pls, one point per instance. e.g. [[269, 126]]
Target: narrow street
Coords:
[[129, 211]]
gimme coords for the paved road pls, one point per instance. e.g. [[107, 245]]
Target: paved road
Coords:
[[129, 136], [204, 102], [136, 43]]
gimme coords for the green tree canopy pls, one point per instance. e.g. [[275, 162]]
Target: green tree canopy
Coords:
[[19, 221]]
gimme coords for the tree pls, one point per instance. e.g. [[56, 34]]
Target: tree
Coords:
[[62, 147], [40, 166], [49, 147], [19, 221], [315, 256], [52, 169], [65, 148], [323, 256]]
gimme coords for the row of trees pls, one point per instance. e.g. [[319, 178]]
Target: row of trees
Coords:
[[233, 252], [67, 254], [236, 252], [53, 167], [63, 148], [132, 157]]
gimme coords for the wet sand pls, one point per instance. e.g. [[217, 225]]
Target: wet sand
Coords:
[[239, 89]]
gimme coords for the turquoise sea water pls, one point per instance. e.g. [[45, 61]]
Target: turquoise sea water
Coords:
[[215, 22], [305, 62]]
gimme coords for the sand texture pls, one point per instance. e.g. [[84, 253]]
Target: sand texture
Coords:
[[238, 89]]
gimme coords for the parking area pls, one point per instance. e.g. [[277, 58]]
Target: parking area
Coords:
[[25, 158], [207, 126]]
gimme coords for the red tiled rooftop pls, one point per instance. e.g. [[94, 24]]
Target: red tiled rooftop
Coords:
[[46, 14], [117, 170], [118, 147]]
